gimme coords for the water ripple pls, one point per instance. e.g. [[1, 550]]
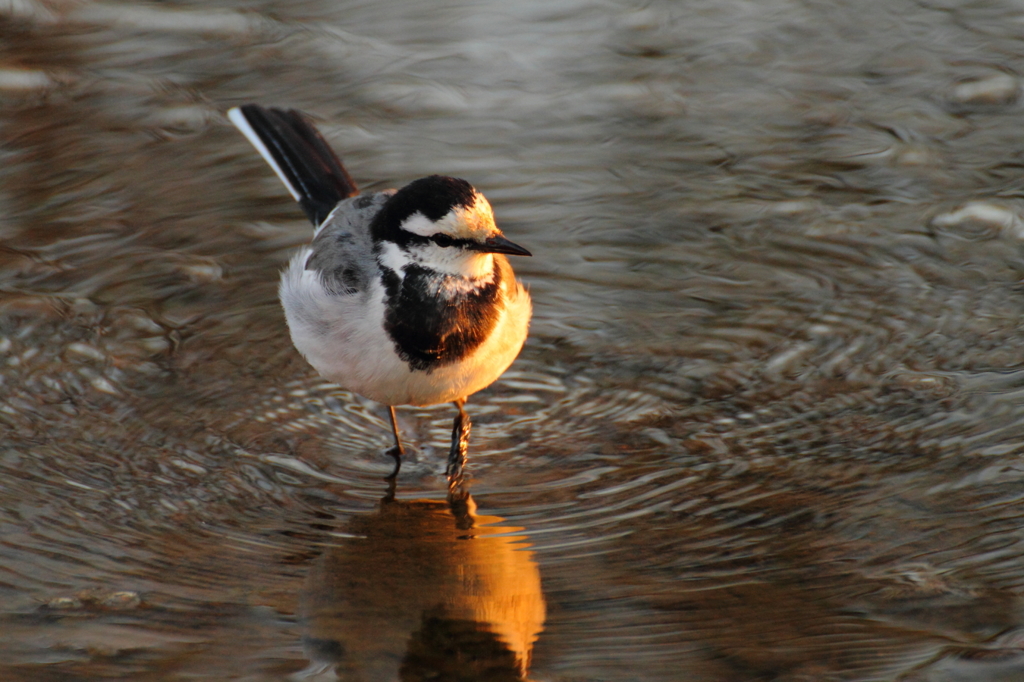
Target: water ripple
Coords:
[[767, 422]]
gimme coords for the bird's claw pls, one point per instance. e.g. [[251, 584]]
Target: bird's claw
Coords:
[[395, 451]]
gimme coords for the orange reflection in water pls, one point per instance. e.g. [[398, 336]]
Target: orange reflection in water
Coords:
[[424, 589]]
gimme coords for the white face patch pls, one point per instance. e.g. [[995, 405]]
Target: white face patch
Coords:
[[420, 224], [476, 222], [450, 260], [465, 285], [454, 261]]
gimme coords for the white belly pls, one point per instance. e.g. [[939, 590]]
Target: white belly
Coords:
[[343, 338]]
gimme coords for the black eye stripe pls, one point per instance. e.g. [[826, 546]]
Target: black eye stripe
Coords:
[[440, 239], [444, 241]]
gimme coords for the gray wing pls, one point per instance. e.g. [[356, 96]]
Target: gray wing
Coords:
[[342, 250]]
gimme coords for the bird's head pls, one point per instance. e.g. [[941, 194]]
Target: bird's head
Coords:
[[442, 223]]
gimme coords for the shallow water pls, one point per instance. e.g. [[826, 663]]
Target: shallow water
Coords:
[[767, 425]]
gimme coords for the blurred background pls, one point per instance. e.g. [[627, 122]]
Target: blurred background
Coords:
[[768, 425]]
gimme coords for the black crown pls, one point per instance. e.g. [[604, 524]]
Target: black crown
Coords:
[[434, 196]]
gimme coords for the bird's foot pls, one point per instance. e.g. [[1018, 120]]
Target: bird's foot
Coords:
[[395, 451]]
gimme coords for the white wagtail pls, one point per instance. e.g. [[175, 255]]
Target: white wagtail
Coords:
[[404, 296]]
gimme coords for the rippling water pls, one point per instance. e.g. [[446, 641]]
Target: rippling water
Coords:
[[768, 424]]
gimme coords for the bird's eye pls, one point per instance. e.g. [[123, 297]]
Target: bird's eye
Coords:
[[442, 240]]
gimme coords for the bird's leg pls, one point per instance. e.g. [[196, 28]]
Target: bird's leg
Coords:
[[396, 451], [460, 444]]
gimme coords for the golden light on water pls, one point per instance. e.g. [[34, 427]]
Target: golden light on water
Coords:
[[413, 581]]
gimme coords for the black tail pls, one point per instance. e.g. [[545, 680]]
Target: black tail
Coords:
[[299, 155]]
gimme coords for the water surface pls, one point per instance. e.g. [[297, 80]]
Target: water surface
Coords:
[[767, 425]]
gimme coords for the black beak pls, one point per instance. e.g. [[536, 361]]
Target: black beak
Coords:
[[501, 245]]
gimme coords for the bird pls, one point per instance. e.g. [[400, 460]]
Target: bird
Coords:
[[403, 296]]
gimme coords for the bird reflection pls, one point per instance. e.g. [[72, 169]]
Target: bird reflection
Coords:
[[423, 590]]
